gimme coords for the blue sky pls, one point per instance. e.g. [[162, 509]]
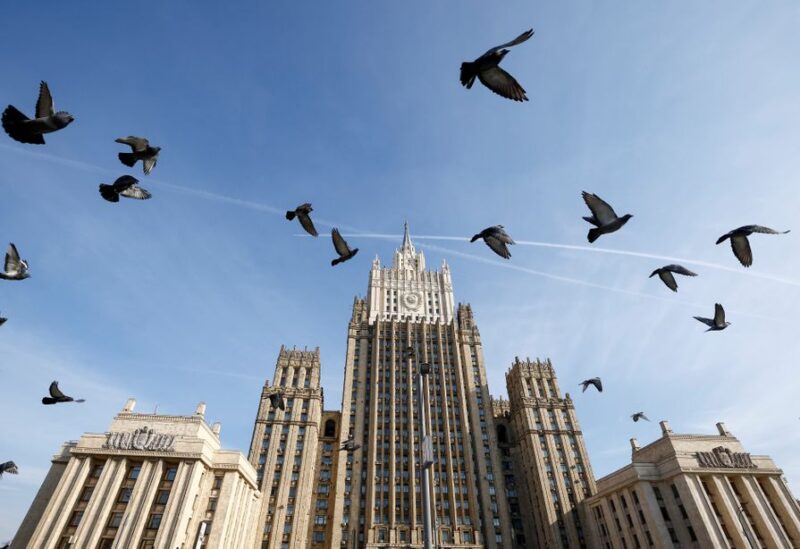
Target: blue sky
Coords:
[[684, 115]]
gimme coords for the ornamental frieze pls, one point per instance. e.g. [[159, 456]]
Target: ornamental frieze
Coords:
[[143, 438], [721, 457]]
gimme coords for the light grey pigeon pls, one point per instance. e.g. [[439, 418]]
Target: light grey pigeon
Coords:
[[15, 268], [277, 401], [302, 214], [639, 415], [718, 322], [665, 274], [26, 130], [497, 239], [56, 396], [8, 467], [486, 68], [341, 247], [141, 150], [593, 381], [603, 217], [126, 186], [740, 244]]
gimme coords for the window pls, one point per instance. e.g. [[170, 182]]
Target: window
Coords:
[[97, 471], [134, 472], [116, 520], [154, 522], [87, 493], [321, 520], [163, 496], [319, 537], [217, 482], [330, 428], [76, 518], [169, 474]]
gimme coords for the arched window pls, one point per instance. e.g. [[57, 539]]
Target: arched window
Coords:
[[330, 428], [502, 436]]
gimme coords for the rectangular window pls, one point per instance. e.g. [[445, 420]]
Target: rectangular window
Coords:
[[154, 522], [134, 472], [124, 495], [163, 496], [169, 474], [76, 518], [116, 520]]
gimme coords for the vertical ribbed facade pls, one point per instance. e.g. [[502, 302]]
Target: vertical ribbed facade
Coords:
[[284, 449], [556, 471]]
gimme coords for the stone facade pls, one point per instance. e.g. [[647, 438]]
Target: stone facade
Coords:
[[695, 491], [151, 481]]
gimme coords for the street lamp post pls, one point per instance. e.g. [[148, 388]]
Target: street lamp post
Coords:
[[425, 447]]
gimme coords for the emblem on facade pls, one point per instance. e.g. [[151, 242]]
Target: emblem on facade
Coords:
[[721, 457], [143, 438], [411, 300]]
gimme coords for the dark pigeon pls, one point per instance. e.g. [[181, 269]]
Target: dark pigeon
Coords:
[[603, 217], [639, 415], [595, 381], [277, 401], [497, 239], [2, 320], [8, 467], [15, 268], [27, 130], [486, 68], [126, 186], [56, 396], [665, 274], [718, 322], [341, 248], [302, 214], [741, 245], [141, 150]]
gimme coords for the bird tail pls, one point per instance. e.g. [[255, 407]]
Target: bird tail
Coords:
[[78, 400], [290, 215], [127, 158], [48, 400], [467, 74], [593, 235], [108, 192], [474, 238], [336, 261], [654, 273], [722, 239], [12, 120]]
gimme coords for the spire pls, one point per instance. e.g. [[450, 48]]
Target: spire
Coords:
[[407, 244]]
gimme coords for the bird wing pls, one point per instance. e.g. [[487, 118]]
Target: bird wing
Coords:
[[644, 417], [498, 246], [55, 392], [135, 191], [584, 385], [502, 235], [136, 143], [9, 467], [149, 163], [762, 229], [741, 249], [339, 244], [706, 321], [598, 383], [305, 221], [44, 105], [667, 278], [680, 269], [719, 315], [124, 182], [502, 83], [12, 259], [108, 192], [600, 209], [518, 40]]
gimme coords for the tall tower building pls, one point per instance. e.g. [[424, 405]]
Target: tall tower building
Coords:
[[555, 465], [379, 483], [284, 449]]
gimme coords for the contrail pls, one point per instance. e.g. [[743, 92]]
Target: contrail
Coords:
[[573, 247]]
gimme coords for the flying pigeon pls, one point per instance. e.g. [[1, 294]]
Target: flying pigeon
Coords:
[[593, 381], [740, 244], [603, 217], [57, 396], [124, 186], [141, 151], [15, 268], [496, 238], [665, 274], [718, 322], [8, 467], [639, 415], [2, 320], [350, 445], [487, 69], [301, 213], [26, 130], [276, 400], [342, 248]]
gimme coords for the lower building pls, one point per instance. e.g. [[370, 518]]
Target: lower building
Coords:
[[151, 481], [695, 491]]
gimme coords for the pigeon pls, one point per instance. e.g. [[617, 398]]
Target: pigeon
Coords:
[[301, 213], [718, 322], [124, 186], [8, 467], [639, 415], [496, 238], [603, 217], [15, 268], [350, 445], [342, 248], [277, 401], [2, 320], [593, 381], [740, 244], [26, 130], [487, 69], [57, 396], [665, 274], [141, 151]]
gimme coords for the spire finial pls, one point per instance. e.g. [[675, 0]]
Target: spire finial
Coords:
[[406, 237]]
